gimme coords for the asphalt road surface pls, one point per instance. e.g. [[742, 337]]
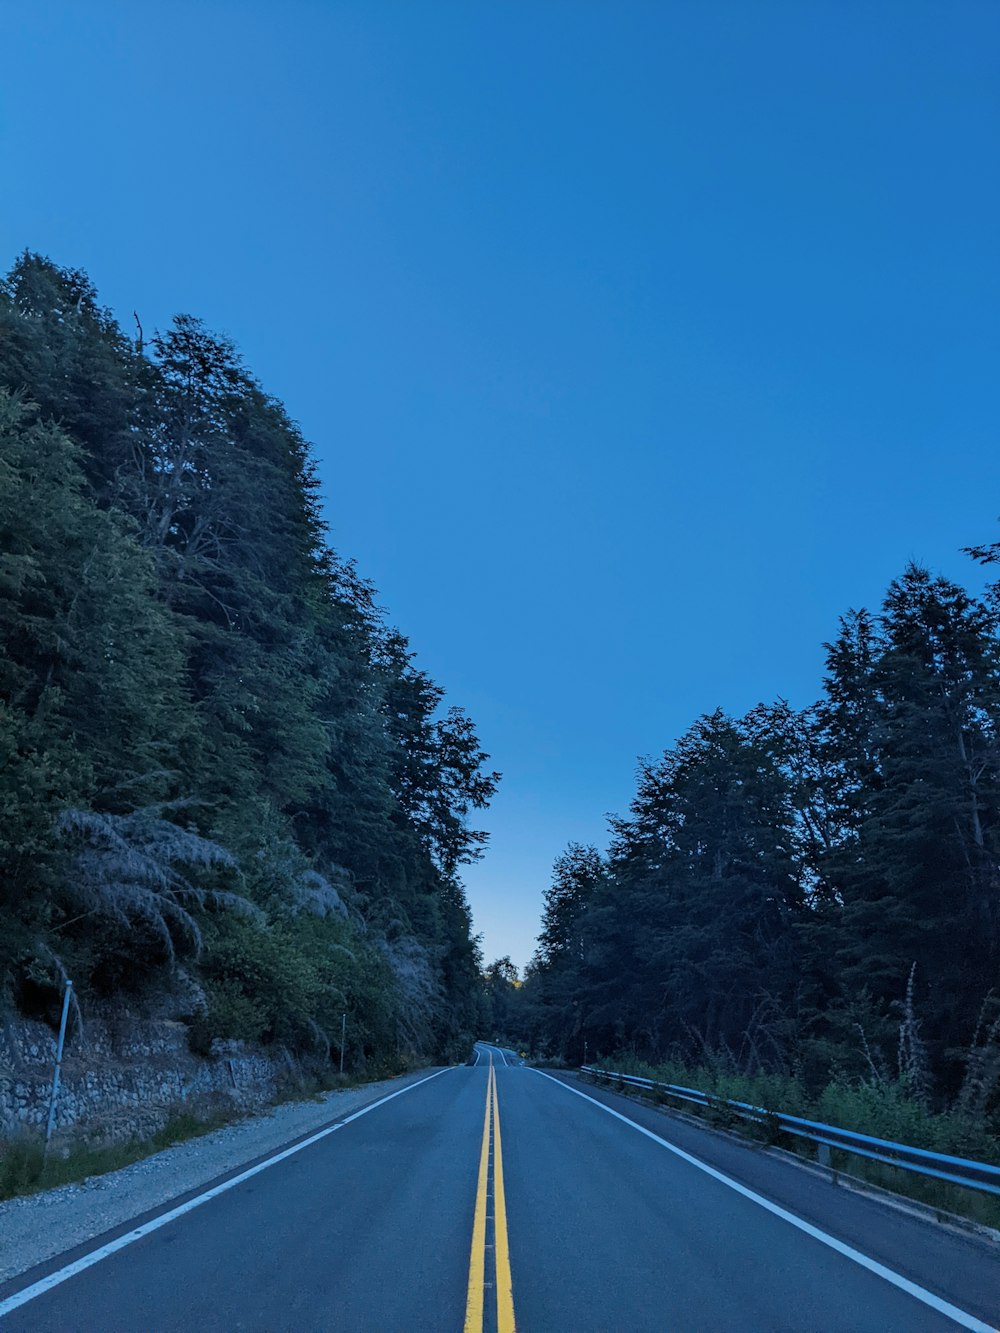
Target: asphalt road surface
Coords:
[[493, 1196]]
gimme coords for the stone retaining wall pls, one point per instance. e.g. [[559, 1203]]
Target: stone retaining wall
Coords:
[[126, 1078]]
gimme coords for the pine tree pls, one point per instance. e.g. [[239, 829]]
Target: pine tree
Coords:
[[919, 877], [186, 660]]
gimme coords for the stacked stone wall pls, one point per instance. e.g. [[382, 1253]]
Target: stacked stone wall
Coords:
[[124, 1078]]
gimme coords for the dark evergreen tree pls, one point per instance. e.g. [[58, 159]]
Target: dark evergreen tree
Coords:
[[213, 749], [94, 708], [565, 1004], [811, 891], [918, 876]]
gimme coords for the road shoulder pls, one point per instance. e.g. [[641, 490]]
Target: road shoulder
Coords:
[[965, 1265], [38, 1227]]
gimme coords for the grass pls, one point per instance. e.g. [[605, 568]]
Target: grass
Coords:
[[884, 1111], [25, 1168]]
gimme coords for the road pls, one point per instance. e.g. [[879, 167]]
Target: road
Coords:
[[491, 1196], [502, 1056]]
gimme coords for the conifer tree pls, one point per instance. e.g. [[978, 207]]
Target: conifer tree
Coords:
[[187, 665]]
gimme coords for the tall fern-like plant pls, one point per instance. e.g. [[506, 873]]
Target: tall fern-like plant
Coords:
[[982, 1063], [137, 868], [914, 1071]]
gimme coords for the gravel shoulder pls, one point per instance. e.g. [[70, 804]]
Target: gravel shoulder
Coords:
[[37, 1227]]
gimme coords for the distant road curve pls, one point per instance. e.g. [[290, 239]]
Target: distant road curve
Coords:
[[502, 1055], [498, 1197]]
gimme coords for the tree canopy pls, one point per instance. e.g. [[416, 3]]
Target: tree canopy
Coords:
[[812, 893], [228, 790]]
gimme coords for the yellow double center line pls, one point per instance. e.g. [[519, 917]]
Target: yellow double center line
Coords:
[[488, 1223]]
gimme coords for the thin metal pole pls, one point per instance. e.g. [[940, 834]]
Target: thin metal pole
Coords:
[[343, 1039], [55, 1074]]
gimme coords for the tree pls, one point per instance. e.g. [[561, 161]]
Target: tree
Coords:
[[559, 976], [501, 982], [685, 938], [58, 346], [437, 764], [576, 876], [96, 713], [919, 877], [188, 665]]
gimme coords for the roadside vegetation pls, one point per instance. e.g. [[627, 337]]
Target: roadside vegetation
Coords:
[[802, 906], [25, 1167], [885, 1110], [229, 795]]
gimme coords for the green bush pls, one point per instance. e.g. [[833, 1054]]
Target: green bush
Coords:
[[290, 981], [885, 1110], [259, 986], [888, 1111]]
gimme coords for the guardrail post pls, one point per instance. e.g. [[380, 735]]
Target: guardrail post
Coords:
[[823, 1154]]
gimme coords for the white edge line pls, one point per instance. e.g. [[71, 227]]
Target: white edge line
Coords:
[[960, 1317], [61, 1275]]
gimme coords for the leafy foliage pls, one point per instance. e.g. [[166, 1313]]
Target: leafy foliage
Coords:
[[810, 896], [223, 780]]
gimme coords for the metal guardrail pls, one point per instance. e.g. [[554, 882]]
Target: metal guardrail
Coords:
[[957, 1170]]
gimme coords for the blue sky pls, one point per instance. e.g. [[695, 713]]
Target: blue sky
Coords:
[[637, 341]]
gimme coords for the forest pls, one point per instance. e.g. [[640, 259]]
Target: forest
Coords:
[[228, 794], [804, 905]]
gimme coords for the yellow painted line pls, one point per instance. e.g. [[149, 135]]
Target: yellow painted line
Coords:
[[477, 1254], [504, 1286]]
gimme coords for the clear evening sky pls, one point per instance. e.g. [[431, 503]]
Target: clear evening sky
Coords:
[[638, 341]]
